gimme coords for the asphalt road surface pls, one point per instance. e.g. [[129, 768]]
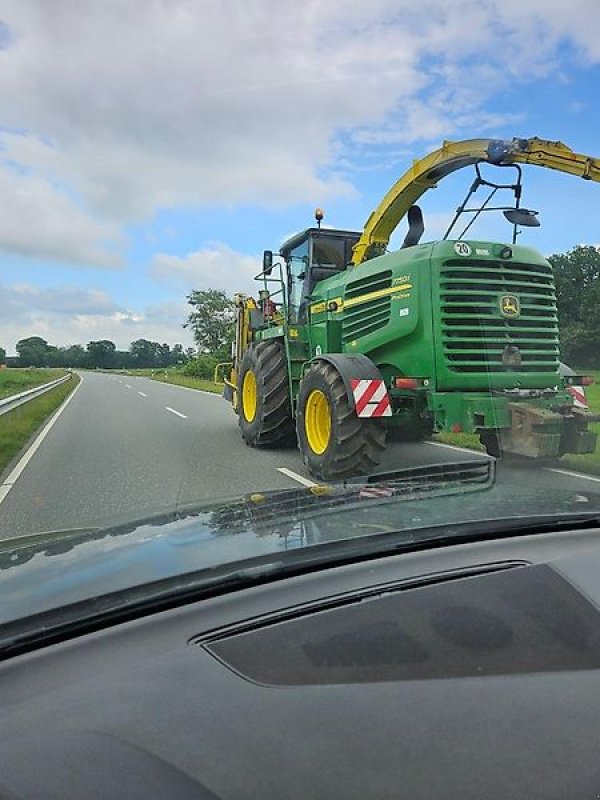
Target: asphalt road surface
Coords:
[[125, 446]]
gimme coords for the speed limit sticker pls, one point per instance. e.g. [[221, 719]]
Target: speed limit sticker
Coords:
[[462, 248]]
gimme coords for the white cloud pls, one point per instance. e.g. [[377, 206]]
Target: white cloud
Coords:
[[177, 102], [113, 110], [40, 221], [215, 267], [69, 315]]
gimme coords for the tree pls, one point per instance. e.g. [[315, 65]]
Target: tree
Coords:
[[144, 353], [163, 354], [32, 351], [577, 276], [211, 321], [75, 356], [177, 354], [101, 353]]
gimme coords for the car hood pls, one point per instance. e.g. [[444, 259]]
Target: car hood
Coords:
[[58, 568]]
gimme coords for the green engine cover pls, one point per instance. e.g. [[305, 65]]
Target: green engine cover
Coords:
[[455, 314]]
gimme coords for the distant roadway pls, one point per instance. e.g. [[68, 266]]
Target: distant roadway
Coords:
[[125, 446]]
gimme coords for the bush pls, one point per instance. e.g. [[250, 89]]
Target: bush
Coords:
[[202, 366]]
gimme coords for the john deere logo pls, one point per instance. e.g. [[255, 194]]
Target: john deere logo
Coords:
[[510, 306]]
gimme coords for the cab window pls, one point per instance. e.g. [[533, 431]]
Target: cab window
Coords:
[[297, 263]]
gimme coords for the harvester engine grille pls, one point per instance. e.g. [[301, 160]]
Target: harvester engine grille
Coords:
[[478, 337], [367, 306]]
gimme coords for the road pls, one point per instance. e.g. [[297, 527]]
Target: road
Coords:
[[125, 446]]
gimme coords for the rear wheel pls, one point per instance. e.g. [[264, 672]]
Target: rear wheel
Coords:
[[264, 413], [334, 442]]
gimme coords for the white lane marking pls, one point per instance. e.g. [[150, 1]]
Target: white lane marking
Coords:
[[573, 474], [127, 386], [295, 477], [141, 394], [28, 455], [460, 449], [178, 413]]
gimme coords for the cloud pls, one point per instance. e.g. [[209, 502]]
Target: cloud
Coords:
[[173, 103], [215, 267], [69, 315], [38, 220], [112, 111]]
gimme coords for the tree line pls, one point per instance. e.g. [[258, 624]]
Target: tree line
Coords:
[[577, 276], [33, 351]]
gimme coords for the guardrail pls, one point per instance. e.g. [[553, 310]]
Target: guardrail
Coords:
[[16, 400]]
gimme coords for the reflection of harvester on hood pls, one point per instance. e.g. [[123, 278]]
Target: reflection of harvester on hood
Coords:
[[348, 341]]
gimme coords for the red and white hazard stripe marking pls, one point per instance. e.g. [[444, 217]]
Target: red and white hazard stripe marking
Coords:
[[578, 395], [371, 398], [376, 491]]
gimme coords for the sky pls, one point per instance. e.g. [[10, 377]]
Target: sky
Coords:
[[153, 147]]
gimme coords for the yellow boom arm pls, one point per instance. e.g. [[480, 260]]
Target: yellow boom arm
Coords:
[[425, 174]]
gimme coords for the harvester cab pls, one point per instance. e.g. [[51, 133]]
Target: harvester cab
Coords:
[[349, 343], [312, 256]]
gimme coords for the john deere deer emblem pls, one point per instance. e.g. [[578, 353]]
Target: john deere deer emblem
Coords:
[[510, 306]]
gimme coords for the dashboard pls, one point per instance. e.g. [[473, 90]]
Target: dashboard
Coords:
[[466, 671]]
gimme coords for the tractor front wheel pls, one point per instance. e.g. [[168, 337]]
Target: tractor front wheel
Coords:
[[334, 442], [264, 413]]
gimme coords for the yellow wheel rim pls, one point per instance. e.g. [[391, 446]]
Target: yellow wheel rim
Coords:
[[317, 422], [249, 396]]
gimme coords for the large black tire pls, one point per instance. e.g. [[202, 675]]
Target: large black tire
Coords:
[[272, 423], [355, 445]]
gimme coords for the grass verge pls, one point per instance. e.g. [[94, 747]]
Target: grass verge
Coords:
[[591, 462], [18, 426], [14, 381], [178, 379], [468, 440]]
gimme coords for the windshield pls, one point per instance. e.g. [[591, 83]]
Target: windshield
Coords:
[[171, 399]]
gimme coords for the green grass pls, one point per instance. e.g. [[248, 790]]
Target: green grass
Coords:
[[468, 440], [18, 426], [13, 381], [178, 378], [591, 462]]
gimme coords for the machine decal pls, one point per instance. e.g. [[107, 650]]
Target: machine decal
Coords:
[[364, 298], [337, 305], [510, 306], [462, 248], [371, 398]]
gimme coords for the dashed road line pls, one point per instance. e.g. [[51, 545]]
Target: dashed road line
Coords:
[[177, 413], [127, 386], [28, 455], [141, 394], [295, 477]]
